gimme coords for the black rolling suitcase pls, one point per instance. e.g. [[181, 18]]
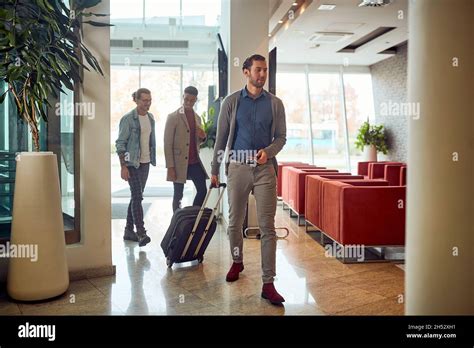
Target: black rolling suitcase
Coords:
[[190, 232]]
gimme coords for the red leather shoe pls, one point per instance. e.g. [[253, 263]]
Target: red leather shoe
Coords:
[[234, 271], [269, 293]]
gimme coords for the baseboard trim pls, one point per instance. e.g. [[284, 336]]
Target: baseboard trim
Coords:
[[92, 273]]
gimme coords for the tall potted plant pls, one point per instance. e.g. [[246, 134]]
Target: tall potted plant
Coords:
[[371, 139], [41, 53]]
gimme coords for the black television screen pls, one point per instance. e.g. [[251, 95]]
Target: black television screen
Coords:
[[272, 68], [222, 66]]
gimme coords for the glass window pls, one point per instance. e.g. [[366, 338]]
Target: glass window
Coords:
[[124, 80], [13, 138], [359, 108], [160, 11], [201, 79], [291, 89], [183, 12], [201, 12], [328, 123], [67, 152], [58, 136], [165, 86], [126, 9], [167, 12]]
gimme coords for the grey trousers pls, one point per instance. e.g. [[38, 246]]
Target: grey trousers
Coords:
[[241, 180]]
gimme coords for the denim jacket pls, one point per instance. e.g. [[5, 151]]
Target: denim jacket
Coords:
[[128, 142]]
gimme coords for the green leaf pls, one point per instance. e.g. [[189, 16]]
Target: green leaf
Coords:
[[97, 24], [83, 4], [49, 45], [66, 82], [89, 14], [11, 38]]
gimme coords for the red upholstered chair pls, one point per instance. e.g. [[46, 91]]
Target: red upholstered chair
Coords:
[[392, 173], [364, 215], [403, 176], [377, 169], [280, 173], [284, 187], [284, 164], [363, 168], [313, 195], [296, 187]]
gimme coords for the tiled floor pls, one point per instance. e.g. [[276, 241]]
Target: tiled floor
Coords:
[[311, 283]]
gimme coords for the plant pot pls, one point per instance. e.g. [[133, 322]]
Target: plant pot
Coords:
[[370, 153], [37, 223]]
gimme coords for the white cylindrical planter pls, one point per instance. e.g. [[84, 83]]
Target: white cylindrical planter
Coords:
[[38, 229], [370, 153]]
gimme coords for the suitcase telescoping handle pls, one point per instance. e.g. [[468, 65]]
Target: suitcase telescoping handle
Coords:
[[203, 206], [198, 219]]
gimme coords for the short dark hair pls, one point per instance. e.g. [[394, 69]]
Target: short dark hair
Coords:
[[138, 93], [249, 61], [191, 90]]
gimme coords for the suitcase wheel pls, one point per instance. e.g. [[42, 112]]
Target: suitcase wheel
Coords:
[[201, 259], [168, 262]]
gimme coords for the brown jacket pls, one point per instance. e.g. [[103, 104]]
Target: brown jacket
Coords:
[[176, 144]]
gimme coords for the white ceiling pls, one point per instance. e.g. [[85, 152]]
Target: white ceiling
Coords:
[[294, 47]]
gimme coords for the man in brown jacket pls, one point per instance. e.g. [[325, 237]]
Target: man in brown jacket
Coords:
[[183, 136]]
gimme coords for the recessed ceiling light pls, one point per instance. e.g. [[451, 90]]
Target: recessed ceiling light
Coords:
[[324, 7], [269, 35], [295, 4], [280, 21]]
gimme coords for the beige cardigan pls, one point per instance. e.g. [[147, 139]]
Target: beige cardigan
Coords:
[[176, 144]]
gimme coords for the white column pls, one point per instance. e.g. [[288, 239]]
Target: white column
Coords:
[[440, 223], [94, 252], [248, 35], [244, 28]]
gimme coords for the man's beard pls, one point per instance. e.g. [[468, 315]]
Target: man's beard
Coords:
[[257, 84]]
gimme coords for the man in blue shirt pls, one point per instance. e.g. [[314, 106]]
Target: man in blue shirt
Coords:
[[252, 127], [252, 132]]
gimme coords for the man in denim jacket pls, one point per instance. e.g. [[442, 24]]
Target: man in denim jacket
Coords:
[[136, 147]]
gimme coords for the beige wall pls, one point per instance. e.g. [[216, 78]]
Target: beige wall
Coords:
[[95, 249]]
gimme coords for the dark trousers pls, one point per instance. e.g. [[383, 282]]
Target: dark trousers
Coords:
[[198, 176], [137, 182]]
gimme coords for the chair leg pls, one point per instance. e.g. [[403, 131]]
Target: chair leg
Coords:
[[299, 218]]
